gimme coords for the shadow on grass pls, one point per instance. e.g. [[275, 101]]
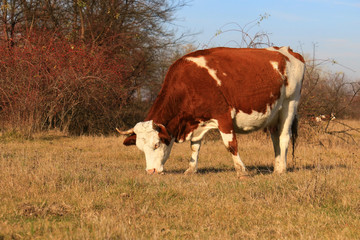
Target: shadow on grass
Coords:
[[259, 169], [214, 170], [263, 169], [52, 137], [204, 170]]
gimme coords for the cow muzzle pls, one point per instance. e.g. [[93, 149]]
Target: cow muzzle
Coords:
[[152, 171]]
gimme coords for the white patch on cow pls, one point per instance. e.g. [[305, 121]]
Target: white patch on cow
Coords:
[[256, 120], [203, 128], [250, 122], [275, 65], [233, 113], [195, 148], [294, 72], [148, 141], [201, 62], [198, 133], [225, 74], [227, 138]]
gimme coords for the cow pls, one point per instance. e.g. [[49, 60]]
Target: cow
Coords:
[[323, 117], [234, 90]]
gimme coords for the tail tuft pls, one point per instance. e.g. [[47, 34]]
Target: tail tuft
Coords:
[[294, 135]]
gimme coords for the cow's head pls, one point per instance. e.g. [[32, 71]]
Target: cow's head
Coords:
[[154, 140]]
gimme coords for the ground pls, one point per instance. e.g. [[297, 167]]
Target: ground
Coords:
[[59, 187]]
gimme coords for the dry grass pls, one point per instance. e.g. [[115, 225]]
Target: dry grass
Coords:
[[56, 187]]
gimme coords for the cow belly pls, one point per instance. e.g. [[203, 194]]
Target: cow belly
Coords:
[[244, 122]]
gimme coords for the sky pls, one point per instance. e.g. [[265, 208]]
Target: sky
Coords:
[[331, 26]]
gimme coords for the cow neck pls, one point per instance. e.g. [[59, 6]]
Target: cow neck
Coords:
[[163, 111]]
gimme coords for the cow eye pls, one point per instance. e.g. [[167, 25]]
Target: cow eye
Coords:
[[157, 145]]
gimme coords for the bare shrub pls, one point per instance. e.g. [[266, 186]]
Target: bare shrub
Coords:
[[249, 37], [326, 99]]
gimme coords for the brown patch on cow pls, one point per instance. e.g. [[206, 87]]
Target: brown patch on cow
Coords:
[[233, 147], [282, 65], [251, 82], [183, 124], [163, 134], [296, 55], [199, 53]]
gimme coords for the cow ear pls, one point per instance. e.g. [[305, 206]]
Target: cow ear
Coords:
[[130, 140], [163, 133]]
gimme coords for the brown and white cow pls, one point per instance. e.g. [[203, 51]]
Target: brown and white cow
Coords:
[[230, 89]]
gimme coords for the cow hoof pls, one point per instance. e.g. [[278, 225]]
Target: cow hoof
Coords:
[[190, 171], [151, 171], [277, 171], [154, 172], [243, 176]]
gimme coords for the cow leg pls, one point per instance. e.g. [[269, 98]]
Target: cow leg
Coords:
[[195, 148], [231, 144], [281, 143], [276, 143], [281, 136]]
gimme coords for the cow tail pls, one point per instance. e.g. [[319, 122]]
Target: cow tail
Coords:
[[294, 135]]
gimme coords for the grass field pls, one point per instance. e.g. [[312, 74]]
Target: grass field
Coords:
[[58, 187]]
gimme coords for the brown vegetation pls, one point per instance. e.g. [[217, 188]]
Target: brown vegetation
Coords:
[[326, 93], [81, 66]]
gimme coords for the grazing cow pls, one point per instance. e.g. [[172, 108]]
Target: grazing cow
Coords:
[[230, 89]]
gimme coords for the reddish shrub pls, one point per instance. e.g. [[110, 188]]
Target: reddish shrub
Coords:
[[48, 82]]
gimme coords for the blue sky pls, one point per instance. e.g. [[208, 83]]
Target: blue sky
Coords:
[[332, 25]]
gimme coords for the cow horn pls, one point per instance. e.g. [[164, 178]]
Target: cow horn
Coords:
[[130, 131]]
